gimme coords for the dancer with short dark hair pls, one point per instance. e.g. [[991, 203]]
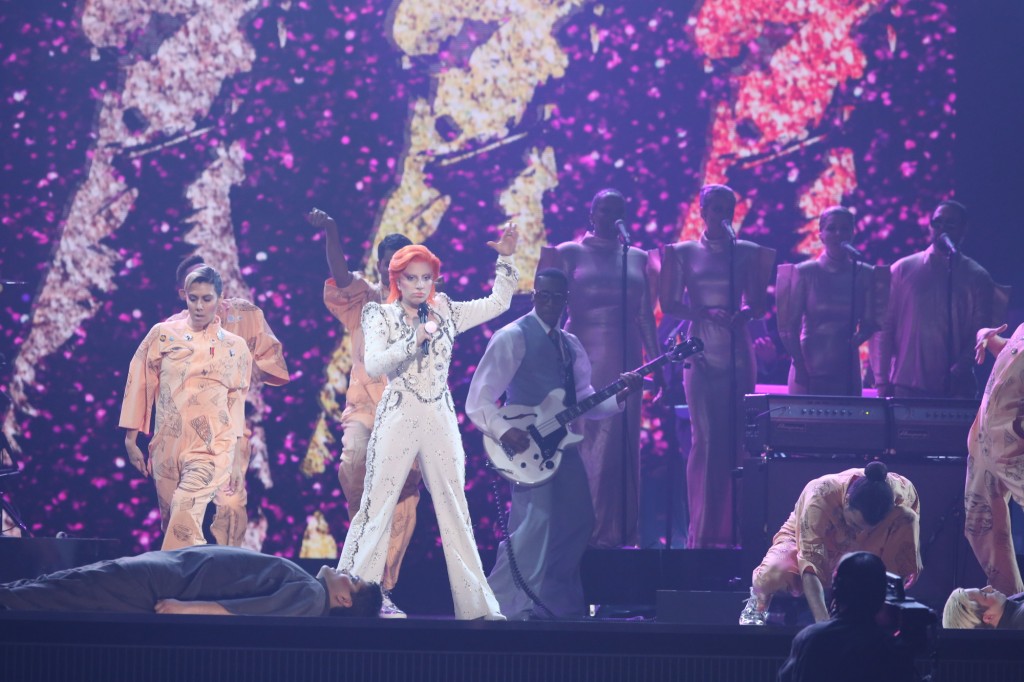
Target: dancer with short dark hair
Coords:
[[196, 374]]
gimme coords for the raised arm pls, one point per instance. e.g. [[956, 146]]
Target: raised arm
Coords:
[[335, 254], [380, 357], [468, 314]]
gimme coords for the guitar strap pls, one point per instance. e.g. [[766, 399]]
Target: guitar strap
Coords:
[[565, 364]]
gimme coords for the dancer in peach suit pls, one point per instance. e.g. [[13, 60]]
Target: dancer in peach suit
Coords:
[[197, 376], [867, 509], [995, 461], [345, 294], [244, 318]]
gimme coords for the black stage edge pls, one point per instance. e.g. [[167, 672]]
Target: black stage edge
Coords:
[[87, 648]]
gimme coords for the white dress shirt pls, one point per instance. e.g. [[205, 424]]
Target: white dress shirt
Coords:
[[499, 365]]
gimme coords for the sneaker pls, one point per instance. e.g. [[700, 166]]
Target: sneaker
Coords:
[[753, 612], [389, 610]]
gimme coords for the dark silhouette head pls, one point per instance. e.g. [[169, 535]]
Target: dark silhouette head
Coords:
[[858, 586]]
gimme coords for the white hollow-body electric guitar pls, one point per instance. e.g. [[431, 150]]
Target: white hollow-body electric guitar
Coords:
[[548, 424]]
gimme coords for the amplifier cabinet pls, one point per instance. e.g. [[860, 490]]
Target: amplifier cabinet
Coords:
[[815, 424], [930, 426]]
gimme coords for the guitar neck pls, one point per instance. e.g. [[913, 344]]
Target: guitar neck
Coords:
[[587, 404]]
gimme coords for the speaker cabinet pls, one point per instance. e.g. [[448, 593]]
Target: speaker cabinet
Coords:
[[772, 485]]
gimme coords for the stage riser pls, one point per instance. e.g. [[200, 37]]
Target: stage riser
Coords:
[[734, 655], [84, 664]]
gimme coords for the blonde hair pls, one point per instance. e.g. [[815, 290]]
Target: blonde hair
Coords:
[[961, 612], [204, 275]]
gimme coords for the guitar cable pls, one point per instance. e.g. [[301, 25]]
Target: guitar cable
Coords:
[[517, 576]]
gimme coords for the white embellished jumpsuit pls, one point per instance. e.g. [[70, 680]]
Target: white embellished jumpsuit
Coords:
[[415, 420]]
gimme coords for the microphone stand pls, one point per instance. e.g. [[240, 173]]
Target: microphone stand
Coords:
[[733, 381], [855, 356], [950, 352], [625, 411]]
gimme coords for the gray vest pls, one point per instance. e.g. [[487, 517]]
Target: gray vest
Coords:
[[540, 372]]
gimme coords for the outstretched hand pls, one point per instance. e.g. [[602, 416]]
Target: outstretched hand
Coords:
[[982, 338], [506, 244], [320, 219]]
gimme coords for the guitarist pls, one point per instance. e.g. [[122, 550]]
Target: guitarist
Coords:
[[550, 524]]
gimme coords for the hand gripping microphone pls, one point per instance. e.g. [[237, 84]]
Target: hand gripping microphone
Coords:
[[422, 310]]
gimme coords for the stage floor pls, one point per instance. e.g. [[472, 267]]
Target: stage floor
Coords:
[[91, 647]]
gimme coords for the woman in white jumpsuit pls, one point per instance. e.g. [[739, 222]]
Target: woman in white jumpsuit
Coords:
[[415, 419]]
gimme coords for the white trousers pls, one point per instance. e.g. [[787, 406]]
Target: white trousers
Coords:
[[406, 430]]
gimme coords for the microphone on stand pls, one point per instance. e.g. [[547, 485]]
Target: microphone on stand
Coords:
[[422, 310], [948, 243], [852, 252], [727, 226], [623, 232]]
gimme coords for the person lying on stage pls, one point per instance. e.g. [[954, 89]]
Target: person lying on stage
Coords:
[[201, 580], [865, 509], [974, 609]]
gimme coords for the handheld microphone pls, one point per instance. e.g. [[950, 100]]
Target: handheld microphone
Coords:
[[727, 226], [948, 243], [623, 232], [422, 310], [852, 251]]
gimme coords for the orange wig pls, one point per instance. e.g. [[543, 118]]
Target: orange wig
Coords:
[[401, 260]]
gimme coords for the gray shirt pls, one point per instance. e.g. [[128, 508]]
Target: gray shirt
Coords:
[[242, 581]]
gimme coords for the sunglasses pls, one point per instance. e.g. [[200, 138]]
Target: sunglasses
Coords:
[[549, 297]]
